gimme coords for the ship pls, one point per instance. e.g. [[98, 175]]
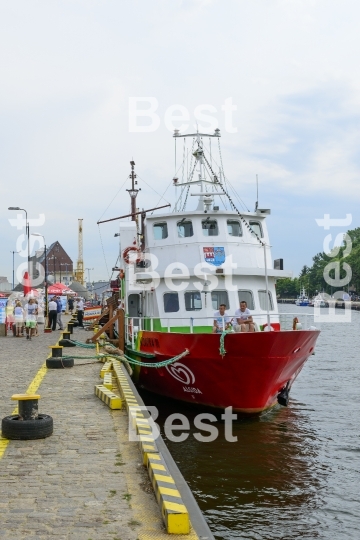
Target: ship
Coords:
[[178, 266]]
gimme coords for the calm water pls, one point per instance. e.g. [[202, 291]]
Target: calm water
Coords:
[[294, 472]]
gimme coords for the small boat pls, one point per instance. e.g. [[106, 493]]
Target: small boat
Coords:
[[302, 299], [177, 268], [318, 301]]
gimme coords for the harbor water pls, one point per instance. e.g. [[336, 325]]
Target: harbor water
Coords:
[[293, 472]]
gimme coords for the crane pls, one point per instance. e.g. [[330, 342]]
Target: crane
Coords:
[[79, 272]]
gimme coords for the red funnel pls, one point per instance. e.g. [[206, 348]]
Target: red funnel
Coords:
[[26, 284]]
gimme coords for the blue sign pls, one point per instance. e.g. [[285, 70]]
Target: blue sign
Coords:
[[214, 255]]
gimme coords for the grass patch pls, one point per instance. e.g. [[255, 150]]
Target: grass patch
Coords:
[[134, 523], [112, 492], [127, 497]]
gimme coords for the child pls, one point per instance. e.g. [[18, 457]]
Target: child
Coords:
[[19, 318]]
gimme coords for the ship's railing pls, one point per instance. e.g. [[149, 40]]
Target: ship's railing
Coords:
[[278, 321]]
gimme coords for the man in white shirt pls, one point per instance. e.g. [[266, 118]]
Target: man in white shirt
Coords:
[[80, 312], [244, 319], [52, 311], [221, 319]]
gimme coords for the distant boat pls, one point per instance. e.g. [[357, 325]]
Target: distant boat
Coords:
[[302, 299], [318, 301]]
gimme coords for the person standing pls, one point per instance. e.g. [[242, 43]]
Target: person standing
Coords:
[[19, 318], [71, 304], [52, 310], [30, 320], [59, 312], [80, 312]]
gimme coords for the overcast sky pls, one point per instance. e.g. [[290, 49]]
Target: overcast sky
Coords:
[[69, 67]]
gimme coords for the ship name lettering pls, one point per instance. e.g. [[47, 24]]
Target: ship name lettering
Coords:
[[149, 342]]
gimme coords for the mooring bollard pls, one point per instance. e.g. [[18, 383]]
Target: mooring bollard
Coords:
[[65, 340], [28, 424], [70, 327], [56, 361]]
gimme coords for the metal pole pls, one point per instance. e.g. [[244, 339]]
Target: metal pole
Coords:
[[267, 289], [28, 237], [133, 199], [46, 287]]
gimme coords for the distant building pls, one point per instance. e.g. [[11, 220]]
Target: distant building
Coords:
[[5, 286], [59, 264], [96, 288]]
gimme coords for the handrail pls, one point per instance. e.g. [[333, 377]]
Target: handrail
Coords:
[[135, 324]]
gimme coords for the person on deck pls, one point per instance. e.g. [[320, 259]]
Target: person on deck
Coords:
[[244, 319], [221, 319]]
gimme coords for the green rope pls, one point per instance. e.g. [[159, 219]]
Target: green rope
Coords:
[[222, 349], [80, 357], [132, 360], [83, 345]]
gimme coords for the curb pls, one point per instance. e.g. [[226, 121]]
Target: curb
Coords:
[[149, 448]]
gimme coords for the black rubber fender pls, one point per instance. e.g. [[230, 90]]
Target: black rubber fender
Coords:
[[25, 430], [59, 363]]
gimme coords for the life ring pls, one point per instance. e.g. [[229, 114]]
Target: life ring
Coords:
[[126, 254]]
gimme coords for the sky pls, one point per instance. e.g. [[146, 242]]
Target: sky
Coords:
[[70, 69]]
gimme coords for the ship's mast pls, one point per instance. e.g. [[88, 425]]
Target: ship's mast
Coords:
[[133, 191]]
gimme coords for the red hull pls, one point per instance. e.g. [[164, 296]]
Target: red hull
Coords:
[[249, 377]]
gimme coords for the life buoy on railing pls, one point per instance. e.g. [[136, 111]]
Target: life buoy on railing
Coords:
[[126, 254]]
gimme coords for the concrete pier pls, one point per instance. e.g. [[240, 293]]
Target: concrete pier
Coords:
[[84, 482]]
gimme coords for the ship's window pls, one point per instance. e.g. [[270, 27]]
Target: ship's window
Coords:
[[185, 229], [219, 297], [246, 296], [160, 231], [257, 228], [193, 301], [262, 299], [234, 227], [210, 227], [171, 302]]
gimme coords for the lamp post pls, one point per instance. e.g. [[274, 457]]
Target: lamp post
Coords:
[[88, 269], [28, 235], [13, 252], [46, 283]]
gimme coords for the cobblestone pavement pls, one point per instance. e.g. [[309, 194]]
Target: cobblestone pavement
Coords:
[[80, 483]]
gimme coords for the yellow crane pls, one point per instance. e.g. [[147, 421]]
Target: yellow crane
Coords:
[[79, 272]]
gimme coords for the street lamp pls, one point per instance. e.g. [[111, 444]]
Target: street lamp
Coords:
[[28, 236], [13, 252], [46, 283], [88, 269]]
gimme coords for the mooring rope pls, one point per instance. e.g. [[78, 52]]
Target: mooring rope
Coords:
[[164, 363], [222, 349]]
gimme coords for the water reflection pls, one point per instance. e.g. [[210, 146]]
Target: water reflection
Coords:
[[293, 472], [264, 485]]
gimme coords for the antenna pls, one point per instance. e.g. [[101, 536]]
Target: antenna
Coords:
[[257, 193]]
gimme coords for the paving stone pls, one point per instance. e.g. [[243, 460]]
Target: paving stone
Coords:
[[59, 487]]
